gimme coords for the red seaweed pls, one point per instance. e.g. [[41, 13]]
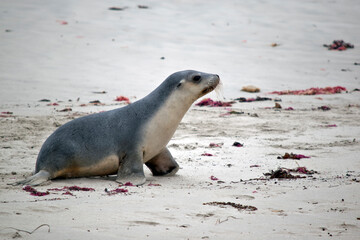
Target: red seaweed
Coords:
[[52, 104], [215, 145], [212, 103], [339, 45], [292, 156], [324, 108], [214, 178], [128, 184], [311, 91], [122, 99], [34, 192], [62, 22], [68, 193], [207, 154], [302, 170]]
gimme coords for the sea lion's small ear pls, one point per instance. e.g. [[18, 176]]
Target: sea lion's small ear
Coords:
[[180, 83]]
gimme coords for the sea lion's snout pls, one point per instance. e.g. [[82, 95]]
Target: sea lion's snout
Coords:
[[212, 83]]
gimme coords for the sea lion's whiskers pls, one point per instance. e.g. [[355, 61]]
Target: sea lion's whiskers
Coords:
[[219, 91]]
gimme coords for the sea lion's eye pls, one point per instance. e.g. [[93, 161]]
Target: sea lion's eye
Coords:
[[197, 78], [178, 85]]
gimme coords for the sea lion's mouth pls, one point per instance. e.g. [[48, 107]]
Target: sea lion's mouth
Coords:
[[207, 90]]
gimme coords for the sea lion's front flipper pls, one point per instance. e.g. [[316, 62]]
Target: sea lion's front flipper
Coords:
[[163, 164], [131, 169]]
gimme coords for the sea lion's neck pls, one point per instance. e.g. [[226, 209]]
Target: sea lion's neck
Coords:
[[164, 121]]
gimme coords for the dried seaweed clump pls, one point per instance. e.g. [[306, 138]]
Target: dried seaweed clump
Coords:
[[234, 205]]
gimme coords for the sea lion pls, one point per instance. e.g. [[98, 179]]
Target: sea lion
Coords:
[[120, 141]]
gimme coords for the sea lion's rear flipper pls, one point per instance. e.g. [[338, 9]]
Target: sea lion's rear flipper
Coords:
[[35, 180], [163, 164]]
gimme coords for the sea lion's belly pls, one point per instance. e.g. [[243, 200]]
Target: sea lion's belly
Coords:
[[105, 166]]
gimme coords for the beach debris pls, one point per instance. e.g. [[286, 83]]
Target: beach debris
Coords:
[[250, 88], [122, 99], [311, 91], [289, 109], [234, 205], [339, 45], [116, 191], [292, 156], [72, 188], [76, 188], [356, 63], [6, 115], [65, 110], [96, 103], [17, 235], [117, 8], [216, 145], [34, 192], [143, 6], [324, 108], [44, 100], [52, 104], [255, 165], [68, 193], [234, 112], [275, 45], [212, 103], [207, 154], [303, 170], [331, 125], [154, 184], [99, 92], [277, 105], [282, 173], [62, 22], [7, 112], [213, 178], [237, 144], [230, 111], [242, 99]]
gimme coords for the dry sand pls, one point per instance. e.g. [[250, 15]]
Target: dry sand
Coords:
[[120, 52]]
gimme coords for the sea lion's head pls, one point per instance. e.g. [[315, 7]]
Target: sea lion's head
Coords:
[[196, 84]]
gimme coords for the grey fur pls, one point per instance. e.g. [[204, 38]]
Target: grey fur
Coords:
[[87, 140]]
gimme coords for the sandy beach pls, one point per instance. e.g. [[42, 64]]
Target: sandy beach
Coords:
[[72, 53]]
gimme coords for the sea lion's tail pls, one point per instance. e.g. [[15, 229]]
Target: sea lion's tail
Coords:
[[39, 178]]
